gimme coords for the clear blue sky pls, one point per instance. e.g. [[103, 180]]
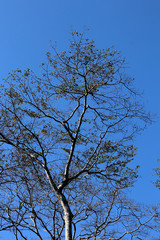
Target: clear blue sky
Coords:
[[133, 27]]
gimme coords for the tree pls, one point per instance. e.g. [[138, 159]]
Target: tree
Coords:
[[66, 147]]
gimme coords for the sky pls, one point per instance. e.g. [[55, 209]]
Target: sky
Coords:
[[132, 26]]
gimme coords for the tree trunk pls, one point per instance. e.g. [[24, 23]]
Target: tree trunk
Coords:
[[68, 225], [63, 201], [67, 218]]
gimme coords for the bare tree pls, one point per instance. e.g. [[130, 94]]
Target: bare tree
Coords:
[[66, 148]]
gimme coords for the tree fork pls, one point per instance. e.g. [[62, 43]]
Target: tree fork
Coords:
[[63, 201]]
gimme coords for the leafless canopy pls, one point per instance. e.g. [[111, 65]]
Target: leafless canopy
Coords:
[[66, 147]]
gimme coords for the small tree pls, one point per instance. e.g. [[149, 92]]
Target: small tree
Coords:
[[66, 148]]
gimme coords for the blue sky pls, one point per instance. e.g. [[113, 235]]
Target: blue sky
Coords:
[[132, 26]]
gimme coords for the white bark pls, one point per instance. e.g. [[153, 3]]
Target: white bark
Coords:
[[68, 225], [67, 218], [67, 212]]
